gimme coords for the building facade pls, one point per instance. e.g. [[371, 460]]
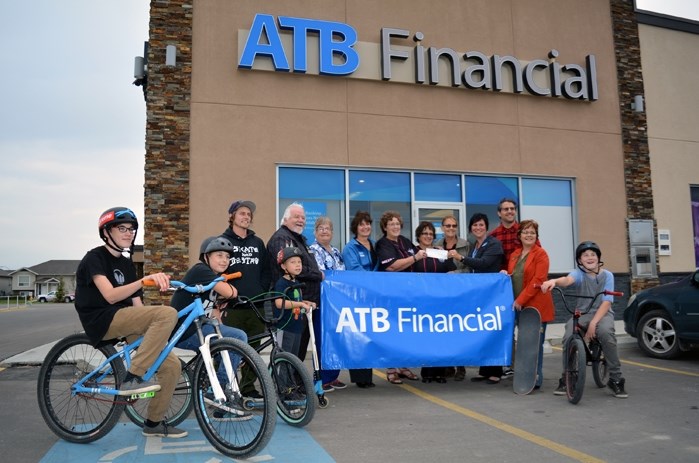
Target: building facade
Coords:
[[424, 108]]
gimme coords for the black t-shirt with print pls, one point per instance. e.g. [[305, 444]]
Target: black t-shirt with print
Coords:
[[95, 312]]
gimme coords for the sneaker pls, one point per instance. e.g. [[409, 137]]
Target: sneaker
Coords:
[[618, 388], [134, 385], [328, 387], [507, 372], [163, 430], [561, 389], [338, 384], [232, 406]]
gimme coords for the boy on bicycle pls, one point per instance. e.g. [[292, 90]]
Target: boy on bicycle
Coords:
[[108, 302], [291, 322], [590, 279], [214, 255]]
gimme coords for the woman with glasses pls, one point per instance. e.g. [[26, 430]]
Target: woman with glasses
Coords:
[[360, 255], [528, 267], [396, 253], [328, 257], [457, 249], [425, 233], [456, 246]]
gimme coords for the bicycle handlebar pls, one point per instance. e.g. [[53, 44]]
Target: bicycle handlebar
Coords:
[[195, 289]]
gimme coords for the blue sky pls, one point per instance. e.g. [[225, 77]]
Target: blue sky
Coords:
[[72, 125]]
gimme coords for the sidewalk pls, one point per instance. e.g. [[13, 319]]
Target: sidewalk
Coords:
[[554, 335]]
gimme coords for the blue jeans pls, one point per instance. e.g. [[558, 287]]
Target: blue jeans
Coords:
[[192, 343]]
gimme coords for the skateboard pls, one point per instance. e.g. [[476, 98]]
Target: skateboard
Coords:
[[527, 350]]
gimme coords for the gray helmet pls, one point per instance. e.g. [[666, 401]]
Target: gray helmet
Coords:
[[287, 253], [213, 244], [587, 246]]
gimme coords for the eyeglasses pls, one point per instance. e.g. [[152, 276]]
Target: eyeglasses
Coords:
[[449, 225], [324, 229], [528, 232], [123, 229]]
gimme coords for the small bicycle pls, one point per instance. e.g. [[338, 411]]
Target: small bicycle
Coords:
[[79, 398], [290, 376], [579, 354]]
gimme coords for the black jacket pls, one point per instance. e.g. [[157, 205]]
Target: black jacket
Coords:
[[250, 257]]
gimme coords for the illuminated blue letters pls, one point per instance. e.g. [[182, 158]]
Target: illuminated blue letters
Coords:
[[335, 40]]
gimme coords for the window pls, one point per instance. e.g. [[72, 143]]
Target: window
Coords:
[[322, 193], [484, 193], [377, 192], [23, 281], [340, 193]]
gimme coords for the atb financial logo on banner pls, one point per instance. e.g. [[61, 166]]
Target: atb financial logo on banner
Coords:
[[382, 319]]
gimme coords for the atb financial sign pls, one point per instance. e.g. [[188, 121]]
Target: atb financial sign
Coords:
[[317, 47]]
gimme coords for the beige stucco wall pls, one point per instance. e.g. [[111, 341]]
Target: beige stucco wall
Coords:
[[670, 71], [244, 123]]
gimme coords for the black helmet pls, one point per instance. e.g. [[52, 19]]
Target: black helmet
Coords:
[[587, 246], [111, 218], [287, 253], [215, 243]]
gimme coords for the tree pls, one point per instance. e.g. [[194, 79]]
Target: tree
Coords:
[[60, 291]]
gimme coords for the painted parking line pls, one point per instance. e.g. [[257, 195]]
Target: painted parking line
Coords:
[[521, 433], [125, 444]]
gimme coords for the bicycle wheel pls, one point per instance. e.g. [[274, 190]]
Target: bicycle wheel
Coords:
[[294, 386], [240, 434], [180, 405], [600, 369], [576, 364], [84, 417]]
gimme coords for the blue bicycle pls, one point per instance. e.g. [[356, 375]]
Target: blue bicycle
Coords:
[[78, 385]]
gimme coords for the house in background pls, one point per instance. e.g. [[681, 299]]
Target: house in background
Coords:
[[45, 277]]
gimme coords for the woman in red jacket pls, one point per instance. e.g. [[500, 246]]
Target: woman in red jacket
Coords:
[[529, 267]]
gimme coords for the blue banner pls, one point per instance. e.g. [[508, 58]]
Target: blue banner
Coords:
[[383, 319]]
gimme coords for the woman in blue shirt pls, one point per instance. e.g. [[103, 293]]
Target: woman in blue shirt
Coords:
[[359, 255]]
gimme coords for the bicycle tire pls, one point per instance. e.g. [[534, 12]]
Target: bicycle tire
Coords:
[[600, 369], [180, 406], [294, 387], [576, 364], [80, 418], [239, 438]]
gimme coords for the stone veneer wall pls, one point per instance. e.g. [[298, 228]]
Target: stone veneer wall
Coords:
[[168, 93], [634, 128]]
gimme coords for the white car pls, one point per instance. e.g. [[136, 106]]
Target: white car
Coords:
[[51, 297], [48, 297]]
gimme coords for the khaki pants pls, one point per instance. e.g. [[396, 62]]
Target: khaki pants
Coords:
[[155, 324]]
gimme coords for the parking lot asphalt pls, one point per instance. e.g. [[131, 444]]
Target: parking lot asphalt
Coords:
[[456, 421]]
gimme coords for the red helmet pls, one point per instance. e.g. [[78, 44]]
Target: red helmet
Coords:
[[116, 216]]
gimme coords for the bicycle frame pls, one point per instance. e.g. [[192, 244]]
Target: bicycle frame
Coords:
[[194, 313]]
